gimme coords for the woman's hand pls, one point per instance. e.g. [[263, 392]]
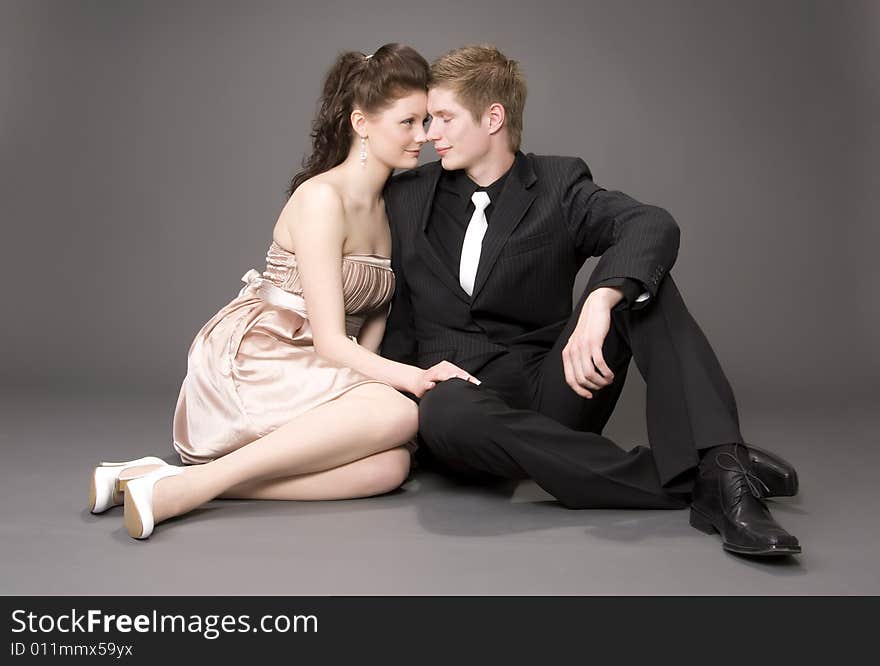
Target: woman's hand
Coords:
[[424, 380]]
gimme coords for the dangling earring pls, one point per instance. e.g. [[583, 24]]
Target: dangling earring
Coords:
[[363, 151]]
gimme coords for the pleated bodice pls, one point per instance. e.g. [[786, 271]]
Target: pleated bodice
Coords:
[[367, 280]]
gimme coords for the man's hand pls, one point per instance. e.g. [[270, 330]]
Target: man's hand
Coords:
[[582, 360], [425, 380]]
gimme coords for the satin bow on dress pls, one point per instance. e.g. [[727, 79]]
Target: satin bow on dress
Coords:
[[253, 367]]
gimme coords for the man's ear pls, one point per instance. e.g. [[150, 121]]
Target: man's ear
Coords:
[[495, 115], [359, 123]]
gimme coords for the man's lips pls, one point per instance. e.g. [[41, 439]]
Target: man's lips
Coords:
[[442, 151]]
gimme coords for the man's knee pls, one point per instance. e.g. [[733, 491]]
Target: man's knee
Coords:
[[446, 409]]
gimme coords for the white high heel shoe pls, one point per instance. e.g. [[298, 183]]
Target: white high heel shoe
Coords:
[[139, 501], [106, 490]]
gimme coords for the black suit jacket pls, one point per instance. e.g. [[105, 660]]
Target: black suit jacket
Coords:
[[551, 216]]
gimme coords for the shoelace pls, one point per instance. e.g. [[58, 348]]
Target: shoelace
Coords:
[[747, 476]]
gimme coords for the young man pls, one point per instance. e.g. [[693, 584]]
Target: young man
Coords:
[[487, 245]]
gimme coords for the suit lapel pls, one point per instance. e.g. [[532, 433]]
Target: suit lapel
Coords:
[[430, 177], [515, 199]]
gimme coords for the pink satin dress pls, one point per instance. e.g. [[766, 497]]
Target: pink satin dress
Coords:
[[253, 366]]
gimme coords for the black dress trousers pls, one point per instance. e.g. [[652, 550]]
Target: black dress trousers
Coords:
[[524, 421]]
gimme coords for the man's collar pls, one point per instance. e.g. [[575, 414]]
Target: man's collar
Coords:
[[459, 183]]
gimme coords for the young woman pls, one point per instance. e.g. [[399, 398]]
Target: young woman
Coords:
[[285, 396]]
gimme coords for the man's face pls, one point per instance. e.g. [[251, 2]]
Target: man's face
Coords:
[[458, 139]]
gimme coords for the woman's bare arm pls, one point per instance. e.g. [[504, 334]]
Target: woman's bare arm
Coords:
[[315, 222], [370, 336]]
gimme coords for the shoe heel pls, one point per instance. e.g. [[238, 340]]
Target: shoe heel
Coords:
[[106, 489], [134, 524], [138, 501], [700, 523]]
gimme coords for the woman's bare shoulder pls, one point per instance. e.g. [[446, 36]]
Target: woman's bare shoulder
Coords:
[[318, 192], [316, 205]]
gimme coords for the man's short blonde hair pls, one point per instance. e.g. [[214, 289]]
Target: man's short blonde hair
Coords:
[[479, 76]]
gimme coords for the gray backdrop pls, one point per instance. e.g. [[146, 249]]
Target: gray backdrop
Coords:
[[146, 148]]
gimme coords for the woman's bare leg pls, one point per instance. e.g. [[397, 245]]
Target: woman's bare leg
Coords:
[[374, 475], [366, 420]]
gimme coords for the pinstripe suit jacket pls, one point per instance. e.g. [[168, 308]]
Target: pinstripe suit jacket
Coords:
[[550, 217]]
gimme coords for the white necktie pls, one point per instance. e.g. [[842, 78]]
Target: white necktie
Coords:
[[473, 242]]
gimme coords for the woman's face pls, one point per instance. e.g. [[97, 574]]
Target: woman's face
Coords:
[[396, 134]]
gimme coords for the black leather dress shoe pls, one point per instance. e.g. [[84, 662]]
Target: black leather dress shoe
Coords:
[[778, 477], [726, 500]]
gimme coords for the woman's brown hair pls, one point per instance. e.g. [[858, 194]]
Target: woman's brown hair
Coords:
[[369, 83]]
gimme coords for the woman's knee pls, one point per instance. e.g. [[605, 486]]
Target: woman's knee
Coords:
[[394, 417], [403, 418], [387, 471]]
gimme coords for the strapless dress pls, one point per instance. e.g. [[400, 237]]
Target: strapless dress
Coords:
[[253, 366]]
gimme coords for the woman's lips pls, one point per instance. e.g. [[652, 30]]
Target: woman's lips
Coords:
[[442, 151]]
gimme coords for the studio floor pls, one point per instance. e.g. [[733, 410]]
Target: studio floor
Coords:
[[433, 536]]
